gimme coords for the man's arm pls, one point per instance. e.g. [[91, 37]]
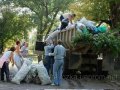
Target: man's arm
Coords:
[[22, 49], [55, 50], [11, 59]]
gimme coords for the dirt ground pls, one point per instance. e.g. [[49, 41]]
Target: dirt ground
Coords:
[[84, 83]]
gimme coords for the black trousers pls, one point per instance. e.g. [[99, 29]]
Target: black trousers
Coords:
[[61, 18], [52, 62], [5, 69], [64, 22]]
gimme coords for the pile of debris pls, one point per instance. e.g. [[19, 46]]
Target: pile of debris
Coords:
[[29, 72]]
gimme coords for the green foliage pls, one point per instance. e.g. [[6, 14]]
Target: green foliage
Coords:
[[84, 38], [102, 42], [98, 10], [13, 27], [91, 9], [107, 42], [45, 11]]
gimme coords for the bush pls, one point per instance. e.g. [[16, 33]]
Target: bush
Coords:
[[85, 38], [100, 43]]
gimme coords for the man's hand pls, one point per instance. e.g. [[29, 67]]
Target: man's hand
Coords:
[[51, 54]]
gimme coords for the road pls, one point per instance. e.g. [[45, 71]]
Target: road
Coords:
[[84, 83], [67, 84]]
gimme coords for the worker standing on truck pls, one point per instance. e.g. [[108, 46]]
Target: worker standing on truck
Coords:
[[59, 54], [66, 19]]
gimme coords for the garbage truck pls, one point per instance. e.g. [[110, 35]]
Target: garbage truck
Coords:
[[79, 60]]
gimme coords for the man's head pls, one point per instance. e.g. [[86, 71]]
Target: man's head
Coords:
[[46, 42], [59, 42], [26, 44], [12, 49], [72, 16], [17, 42], [54, 42]]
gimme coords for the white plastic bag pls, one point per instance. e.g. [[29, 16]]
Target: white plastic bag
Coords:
[[83, 20], [90, 24], [87, 22], [22, 72], [33, 70], [13, 70], [43, 74], [80, 26], [28, 61]]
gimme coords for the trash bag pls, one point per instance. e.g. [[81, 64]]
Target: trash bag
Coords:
[[89, 24], [12, 70], [102, 29], [28, 61], [31, 74], [43, 74], [22, 72], [80, 27], [83, 20], [84, 30], [33, 70]]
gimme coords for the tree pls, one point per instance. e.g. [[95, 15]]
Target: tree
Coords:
[[91, 9], [98, 10], [81, 8], [45, 11], [12, 26], [115, 12]]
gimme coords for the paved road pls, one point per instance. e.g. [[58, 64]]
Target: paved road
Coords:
[[67, 84]]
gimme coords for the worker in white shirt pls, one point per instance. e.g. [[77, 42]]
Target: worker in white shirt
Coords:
[[66, 19]]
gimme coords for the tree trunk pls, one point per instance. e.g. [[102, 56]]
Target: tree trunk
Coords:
[[1, 47], [115, 13], [54, 16]]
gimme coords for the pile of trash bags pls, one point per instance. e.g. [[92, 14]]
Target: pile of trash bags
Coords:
[[83, 26], [29, 73]]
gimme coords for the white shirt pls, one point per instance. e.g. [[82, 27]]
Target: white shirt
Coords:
[[7, 54], [66, 15], [24, 51]]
